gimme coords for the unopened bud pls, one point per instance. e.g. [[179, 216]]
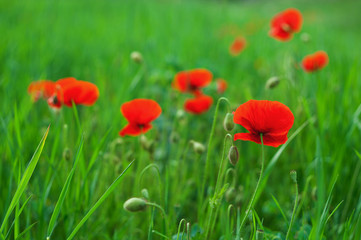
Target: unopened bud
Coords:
[[228, 123], [135, 205], [293, 175], [198, 147], [272, 82], [233, 155], [136, 57], [259, 234], [67, 154], [180, 115], [147, 144], [145, 193]]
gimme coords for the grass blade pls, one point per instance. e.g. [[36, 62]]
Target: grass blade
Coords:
[[25, 179], [100, 201], [64, 192]]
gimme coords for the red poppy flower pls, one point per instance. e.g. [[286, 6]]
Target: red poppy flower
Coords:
[[41, 89], [199, 104], [221, 85], [237, 46], [69, 90], [272, 119], [285, 24], [316, 61], [192, 81], [139, 113]]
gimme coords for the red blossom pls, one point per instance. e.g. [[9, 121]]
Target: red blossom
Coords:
[[192, 81], [69, 90], [285, 24], [199, 104], [314, 62], [139, 113], [272, 119], [41, 89], [237, 46]]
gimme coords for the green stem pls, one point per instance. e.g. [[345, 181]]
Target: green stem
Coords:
[[163, 212], [250, 205], [216, 191], [293, 213], [205, 174]]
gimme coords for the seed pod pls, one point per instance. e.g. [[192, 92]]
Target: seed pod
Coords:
[[259, 234], [136, 57], [198, 147], [233, 155], [293, 175], [135, 205], [272, 82], [228, 123]]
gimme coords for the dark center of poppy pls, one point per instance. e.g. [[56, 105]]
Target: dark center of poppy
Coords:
[[55, 100], [286, 27]]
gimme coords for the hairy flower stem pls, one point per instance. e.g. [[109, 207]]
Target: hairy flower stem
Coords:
[[293, 213], [250, 205], [166, 224], [205, 174], [216, 196]]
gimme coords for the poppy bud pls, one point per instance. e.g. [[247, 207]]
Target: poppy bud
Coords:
[[180, 115], [293, 175], [259, 234], [233, 155], [198, 147], [272, 82], [135, 205], [228, 123], [67, 154], [136, 57], [145, 193], [230, 195]]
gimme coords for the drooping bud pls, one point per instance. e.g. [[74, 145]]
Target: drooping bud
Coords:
[[293, 175], [228, 123], [259, 234], [135, 205], [136, 57], [145, 193], [233, 155], [198, 147], [272, 82]]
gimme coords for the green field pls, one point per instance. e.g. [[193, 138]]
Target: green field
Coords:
[[83, 153]]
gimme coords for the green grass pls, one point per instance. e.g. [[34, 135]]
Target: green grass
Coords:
[[92, 41]]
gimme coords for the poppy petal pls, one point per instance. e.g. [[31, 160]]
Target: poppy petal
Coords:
[[134, 130], [141, 111], [192, 80], [237, 46], [268, 140], [199, 104]]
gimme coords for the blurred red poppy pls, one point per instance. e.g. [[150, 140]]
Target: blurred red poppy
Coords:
[[314, 62], [192, 81], [198, 105], [41, 89], [139, 113], [69, 90], [221, 85], [237, 46], [285, 24], [272, 119]]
